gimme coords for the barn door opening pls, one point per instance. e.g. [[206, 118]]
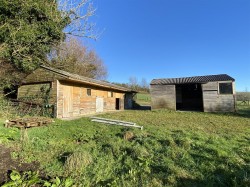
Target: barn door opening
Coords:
[[99, 104], [117, 104], [189, 97]]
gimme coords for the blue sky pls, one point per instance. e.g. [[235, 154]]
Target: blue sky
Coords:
[[174, 38]]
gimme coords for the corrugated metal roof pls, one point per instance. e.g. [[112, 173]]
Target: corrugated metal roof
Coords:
[[86, 80], [195, 79]]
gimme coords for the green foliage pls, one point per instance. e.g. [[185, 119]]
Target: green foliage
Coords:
[[174, 149], [6, 109], [57, 182], [7, 135], [29, 28], [37, 104], [25, 180], [29, 178]]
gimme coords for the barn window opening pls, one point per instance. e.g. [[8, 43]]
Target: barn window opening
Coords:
[[88, 92], [225, 88]]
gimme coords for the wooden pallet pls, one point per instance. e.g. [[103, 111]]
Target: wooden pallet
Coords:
[[28, 122]]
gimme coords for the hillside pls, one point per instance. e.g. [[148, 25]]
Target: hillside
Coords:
[[174, 149]]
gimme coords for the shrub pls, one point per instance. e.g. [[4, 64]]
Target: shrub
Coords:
[[6, 109]]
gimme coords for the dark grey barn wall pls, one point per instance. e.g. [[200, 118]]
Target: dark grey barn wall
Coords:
[[163, 96], [215, 102]]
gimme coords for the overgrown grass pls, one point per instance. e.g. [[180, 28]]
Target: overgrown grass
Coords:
[[174, 149]]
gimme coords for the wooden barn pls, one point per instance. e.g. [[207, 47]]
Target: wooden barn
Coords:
[[72, 95], [212, 93]]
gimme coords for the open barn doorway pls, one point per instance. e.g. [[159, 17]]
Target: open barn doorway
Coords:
[[189, 97], [117, 103]]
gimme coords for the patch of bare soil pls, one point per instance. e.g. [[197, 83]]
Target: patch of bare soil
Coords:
[[7, 164]]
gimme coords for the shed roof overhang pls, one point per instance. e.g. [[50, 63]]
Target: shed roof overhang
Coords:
[[85, 80]]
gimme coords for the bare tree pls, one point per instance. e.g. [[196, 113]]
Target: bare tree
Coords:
[[79, 13], [74, 57], [144, 85], [133, 83]]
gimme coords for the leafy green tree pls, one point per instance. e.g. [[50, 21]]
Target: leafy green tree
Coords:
[[30, 28]]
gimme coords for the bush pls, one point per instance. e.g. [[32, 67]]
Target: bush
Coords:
[[6, 109]]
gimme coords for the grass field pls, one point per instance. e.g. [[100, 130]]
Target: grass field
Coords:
[[174, 149], [143, 99]]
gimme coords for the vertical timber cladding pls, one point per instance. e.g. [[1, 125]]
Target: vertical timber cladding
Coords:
[[213, 101], [73, 100], [163, 96]]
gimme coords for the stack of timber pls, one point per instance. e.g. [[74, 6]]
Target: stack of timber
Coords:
[[28, 122], [115, 122]]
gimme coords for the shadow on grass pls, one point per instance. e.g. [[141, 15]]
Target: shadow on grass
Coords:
[[137, 106], [244, 111], [220, 177]]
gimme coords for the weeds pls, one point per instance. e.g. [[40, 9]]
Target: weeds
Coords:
[[29, 178]]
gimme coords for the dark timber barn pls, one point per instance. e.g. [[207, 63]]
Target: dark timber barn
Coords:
[[211, 93]]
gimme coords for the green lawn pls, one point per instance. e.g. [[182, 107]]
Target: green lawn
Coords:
[[174, 149], [143, 99]]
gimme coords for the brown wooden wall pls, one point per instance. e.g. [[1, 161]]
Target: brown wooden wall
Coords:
[[73, 101], [215, 102], [36, 92], [163, 96]]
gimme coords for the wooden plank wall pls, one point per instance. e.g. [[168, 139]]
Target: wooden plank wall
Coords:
[[163, 96], [33, 92], [84, 104], [215, 102]]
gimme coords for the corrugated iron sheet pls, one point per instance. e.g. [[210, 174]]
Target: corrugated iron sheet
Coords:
[[190, 80]]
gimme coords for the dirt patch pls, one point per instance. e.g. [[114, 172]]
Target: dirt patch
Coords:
[[7, 164]]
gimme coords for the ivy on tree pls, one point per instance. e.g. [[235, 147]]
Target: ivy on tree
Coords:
[[29, 28]]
